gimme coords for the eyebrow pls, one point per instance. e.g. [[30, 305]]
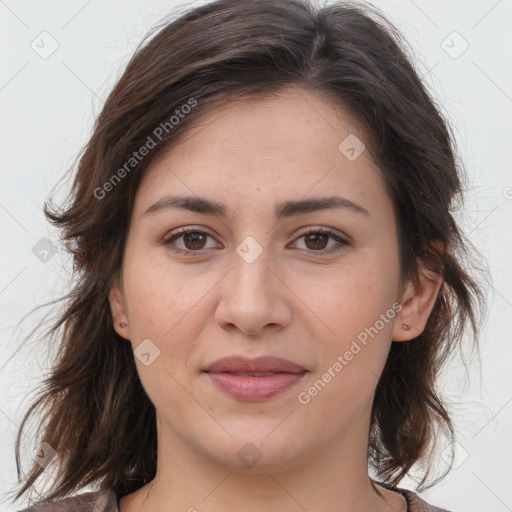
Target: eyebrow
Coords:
[[285, 209]]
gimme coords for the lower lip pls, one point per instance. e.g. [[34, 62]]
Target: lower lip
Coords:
[[254, 388]]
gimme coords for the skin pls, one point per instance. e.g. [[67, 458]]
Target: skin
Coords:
[[290, 302]]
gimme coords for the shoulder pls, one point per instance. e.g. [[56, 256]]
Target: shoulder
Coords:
[[416, 504], [104, 500]]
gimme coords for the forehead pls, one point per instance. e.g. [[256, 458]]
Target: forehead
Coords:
[[291, 120], [286, 146]]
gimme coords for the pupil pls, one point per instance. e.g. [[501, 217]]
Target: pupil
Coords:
[[315, 236], [194, 236]]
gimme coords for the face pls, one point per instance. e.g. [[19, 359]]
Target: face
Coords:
[[315, 286]]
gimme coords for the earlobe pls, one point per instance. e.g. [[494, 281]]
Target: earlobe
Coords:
[[118, 311]]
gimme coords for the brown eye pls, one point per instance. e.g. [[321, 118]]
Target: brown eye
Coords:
[[318, 241], [193, 241]]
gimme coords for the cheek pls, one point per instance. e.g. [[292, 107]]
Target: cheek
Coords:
[[354, 304], [162, 296], [164, 307], [158, 306], [349, 298]]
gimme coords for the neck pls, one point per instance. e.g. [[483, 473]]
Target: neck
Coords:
[[335, 477]]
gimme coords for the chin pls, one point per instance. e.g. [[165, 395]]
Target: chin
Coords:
[[257, 452]]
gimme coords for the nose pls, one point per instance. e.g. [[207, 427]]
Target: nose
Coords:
[[253, 297]]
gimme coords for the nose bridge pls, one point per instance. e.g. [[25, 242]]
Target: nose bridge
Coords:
[[251, 277], [251, 265], [250, 295]]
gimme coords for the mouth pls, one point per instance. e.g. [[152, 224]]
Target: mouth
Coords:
[[254, 379]]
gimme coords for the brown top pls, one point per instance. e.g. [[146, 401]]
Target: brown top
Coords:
[[106, 500]]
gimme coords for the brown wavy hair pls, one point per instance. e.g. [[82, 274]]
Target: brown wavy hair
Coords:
[[95, 412]]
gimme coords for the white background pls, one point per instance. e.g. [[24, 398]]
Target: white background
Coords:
[[48, 107]]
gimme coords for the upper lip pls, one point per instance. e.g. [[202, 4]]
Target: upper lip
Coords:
[[263, 364]]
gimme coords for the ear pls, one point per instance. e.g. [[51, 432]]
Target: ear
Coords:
[[417, 301], [118, 310]]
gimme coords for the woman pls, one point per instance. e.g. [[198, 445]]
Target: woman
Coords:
[[268, 274]]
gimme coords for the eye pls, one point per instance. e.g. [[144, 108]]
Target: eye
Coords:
[[194, 240], [316, 239]]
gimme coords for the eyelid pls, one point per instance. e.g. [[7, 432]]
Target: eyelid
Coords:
[[323, 229]]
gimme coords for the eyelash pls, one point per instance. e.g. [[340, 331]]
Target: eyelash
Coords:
[[342, 243]]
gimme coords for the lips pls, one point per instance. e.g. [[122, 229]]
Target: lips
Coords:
[[261, 365], [254, 379]]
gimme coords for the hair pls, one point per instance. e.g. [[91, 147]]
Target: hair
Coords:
[[95, 412]]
